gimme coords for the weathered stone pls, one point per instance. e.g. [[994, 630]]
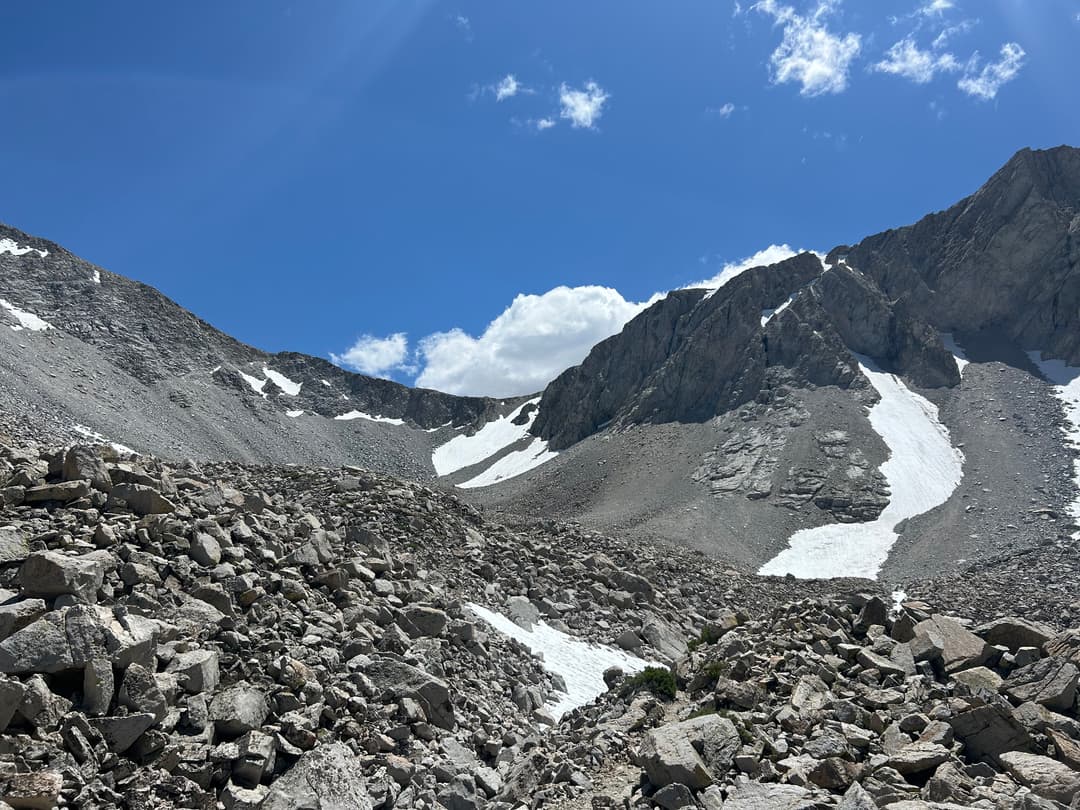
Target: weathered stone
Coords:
[[50, 573], [328, 778], [989, 731], [239, 709], [694, 752], [960, 648], [142, 499], [41, 646], [399, 680], [979, 678], [918, 757], [1014, 633], [759, 796], [15, 616], [13, 545], [140, 693], [426, 621], [1046, 777], [32, 791], [11, 697], [121, 732], [196, 670], [205, 550], [84, 463], [99, 684], [63, 492], [1049, 681]]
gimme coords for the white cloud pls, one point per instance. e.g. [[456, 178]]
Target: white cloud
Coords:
[[582, 108], [545, 123], [376, 356], [534, 340], [988, 81], [906, 59], [809, 53], [723, 111], [508, 87], [935, 8], [770, 255]]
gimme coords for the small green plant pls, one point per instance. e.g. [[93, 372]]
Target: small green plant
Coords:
[[715, 670], [707, 636], [657, 680]]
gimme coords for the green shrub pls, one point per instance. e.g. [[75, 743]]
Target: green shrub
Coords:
[[657, 680]]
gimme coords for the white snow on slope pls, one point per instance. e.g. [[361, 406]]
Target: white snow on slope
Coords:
[[512, 465], [923, 470], [347, 417], [93, 435], [1066, 380], [290, 387], [10, 246], [96, 277], [326, 383], [768, 314], [294, 414], [255, 383], [27, 320], [580, 664], [958, 353], [464, 451]]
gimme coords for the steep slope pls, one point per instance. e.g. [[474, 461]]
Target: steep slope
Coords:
[[89, 352], [733, 419]]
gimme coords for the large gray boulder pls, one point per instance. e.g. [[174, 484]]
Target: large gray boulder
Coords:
[[989, 731], [694, 752], [13, 545], [1014, 632], [50, 573], [400, 680], [239, 709], [1049, 681], [84, 463], [327, 778], [1046, 777], [143, 500], [759, 796], [944, 638]]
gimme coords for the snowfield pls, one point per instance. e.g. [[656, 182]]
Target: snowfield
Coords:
[[294, 414], [512, 465], [464, 451], [290, 387], [923, 470], [27, 320], [348, 417], [768, 314], [1066, 380], [10, 246], [580, 664], [255, 383]]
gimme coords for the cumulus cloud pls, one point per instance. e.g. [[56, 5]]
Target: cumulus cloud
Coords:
[[544, 123], [582, 108], [809, 53], [935, 8], [375, 356], [985, 84], [908, 60], [535, 339], [508, 87], [770, 255]]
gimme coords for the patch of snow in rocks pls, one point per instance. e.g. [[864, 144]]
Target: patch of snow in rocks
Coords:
[[290, 387], [956, 350], [27, 320], [923, 470], [346, 417], [580, 664], [93, 435], [1066, 382], [294, 414], [512, 465], [464, 451], [255, 383], [12, 247]]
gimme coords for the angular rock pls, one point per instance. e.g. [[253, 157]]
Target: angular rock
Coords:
[[64, 492], [15, 616], [142, 499], [693, 752], [50, 573], [140, 693], [327, 778], [960, 648], [13, 545], [1046, 777], [32, 791], [84, 463], [239, 709], [122, 732], [401, 680], [1049, 681], [1014, 632], [989, 731], [918, 757]]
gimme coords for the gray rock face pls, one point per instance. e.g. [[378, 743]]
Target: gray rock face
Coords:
[[1046, 777], [328, 778], [1050, 682], [960, 267], [50, 573], [956, 646], [84, 463], [692, 753], [402, 680]]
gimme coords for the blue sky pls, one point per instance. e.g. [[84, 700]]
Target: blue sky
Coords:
[[303, 175]]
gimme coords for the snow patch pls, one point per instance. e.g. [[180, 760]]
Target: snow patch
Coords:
[[768, 314], [93, 435], [290, 387], [580, 664], [255, 383], [923, 470], [464, 451], [27, 320], [1066, 382], [512, 465], [12, 247], [294, 414], [96, 278], [347, 417], [898, 599], [325, 382], [954, 348]]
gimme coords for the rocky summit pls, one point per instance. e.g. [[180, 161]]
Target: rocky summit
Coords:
[[806, 540]]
